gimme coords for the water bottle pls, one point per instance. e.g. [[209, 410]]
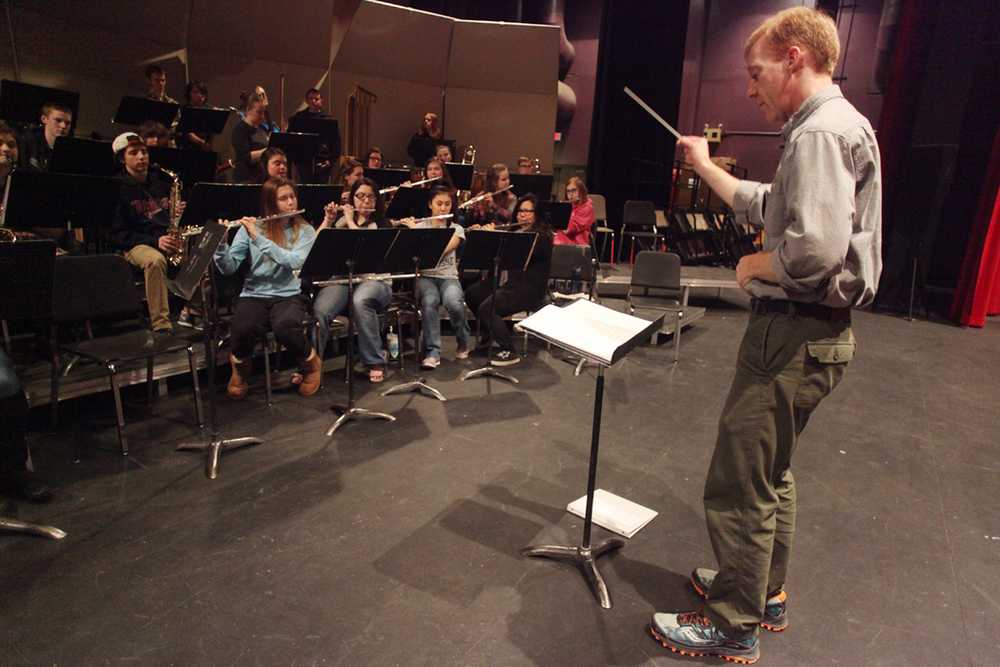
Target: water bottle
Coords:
[[392, 340]]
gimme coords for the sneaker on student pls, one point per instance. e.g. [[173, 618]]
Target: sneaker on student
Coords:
[[462, 352], [775, 609], [506, 358], [693, 634], [430, 363], [190, 320]]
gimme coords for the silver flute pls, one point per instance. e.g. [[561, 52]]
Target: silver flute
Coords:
[[266, 218], [411, 185]]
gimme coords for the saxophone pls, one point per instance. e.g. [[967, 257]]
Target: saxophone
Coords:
[[174, 228]]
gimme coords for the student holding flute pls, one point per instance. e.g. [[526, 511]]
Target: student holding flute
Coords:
[[272, 294]]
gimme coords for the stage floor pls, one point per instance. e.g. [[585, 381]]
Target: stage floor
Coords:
[[397, 543]]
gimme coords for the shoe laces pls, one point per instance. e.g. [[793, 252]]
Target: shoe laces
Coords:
[[693, 618]]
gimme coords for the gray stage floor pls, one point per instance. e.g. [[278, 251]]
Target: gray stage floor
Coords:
[[396, 544]]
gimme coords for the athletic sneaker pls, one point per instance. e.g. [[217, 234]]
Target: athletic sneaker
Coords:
[[693, 634], [190, 320], [506, 358], [430, 363], [462, 352], [775, 609]]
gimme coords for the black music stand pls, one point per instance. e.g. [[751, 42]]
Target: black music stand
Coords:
[[556, 213], [329, 133], [21, 103], [622, 340], [198, 270], [228, 201], [408, 202], [300, 147], [346, 252], [83, 202], [313, 197], [461, 174], [538, 184], [137, 110], [71, 155], [203, 120], [27, 269], [496, 252], [417, 249], [192, 165], [386, 178]]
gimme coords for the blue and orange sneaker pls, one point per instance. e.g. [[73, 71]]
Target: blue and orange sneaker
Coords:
[[693, 634], [775, 609]]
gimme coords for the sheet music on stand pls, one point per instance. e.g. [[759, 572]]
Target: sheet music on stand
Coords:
[[590, 330]]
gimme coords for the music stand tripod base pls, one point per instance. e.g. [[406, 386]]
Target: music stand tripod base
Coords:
[[347, 414], [418, 385], [585, 559], [15, 526], [490, 371], [215, 449]]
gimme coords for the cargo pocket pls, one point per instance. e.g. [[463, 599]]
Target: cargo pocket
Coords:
[[839, 350]]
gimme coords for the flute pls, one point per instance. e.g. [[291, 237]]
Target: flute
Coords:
[[483, 196], [267, 218], [411, 185], [417, 221]]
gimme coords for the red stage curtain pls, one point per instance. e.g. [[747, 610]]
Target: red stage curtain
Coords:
[[978, 293]]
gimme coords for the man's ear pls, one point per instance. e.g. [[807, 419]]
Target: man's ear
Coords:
[[794, 58]]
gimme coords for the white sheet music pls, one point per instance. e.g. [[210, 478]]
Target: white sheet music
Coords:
[[615, 513], [586, 328]]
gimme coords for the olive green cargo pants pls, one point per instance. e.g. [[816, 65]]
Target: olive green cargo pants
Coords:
[[787, 365]]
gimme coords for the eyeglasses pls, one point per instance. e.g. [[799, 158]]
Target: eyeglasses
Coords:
[[525, 210], [365, 196], [572, 190]]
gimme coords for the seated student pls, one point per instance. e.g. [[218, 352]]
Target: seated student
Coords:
[[139, 229], [435, 168], [15, 478], [272, 293], [249, 140], [495, 209], [8, 154], [36, 146], [351, 171], [372, 295], [373, 158], [274, 164], [443, 153], [153, 133], [156, 84], [581, 220], [440, 284], [524, 290], [195, 95]]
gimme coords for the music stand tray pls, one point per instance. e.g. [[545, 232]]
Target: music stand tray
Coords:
[[72, 155], [199, 264], [408, 202], [347, 252], [417, 250], [192, 165], [386, 178], [20, 102], [228, 201], [556, 212], [538, 184], [203, 120], [137, 110], [496, 251], [313, 197], [327, 128], [461, 174], [603, 336]]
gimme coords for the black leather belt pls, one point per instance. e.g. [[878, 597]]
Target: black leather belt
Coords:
[[815, 310]]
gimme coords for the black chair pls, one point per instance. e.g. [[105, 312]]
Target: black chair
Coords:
[[601, 227], [639, 226], [99, 289], [661, 271]]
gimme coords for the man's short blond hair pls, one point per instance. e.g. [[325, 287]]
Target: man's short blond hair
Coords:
[[810, 29]]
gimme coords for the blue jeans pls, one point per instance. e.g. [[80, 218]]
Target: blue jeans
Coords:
[[432, 292], [9, 384], [370, 298]]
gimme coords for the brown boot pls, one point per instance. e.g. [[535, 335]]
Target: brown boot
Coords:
[[238, 387], [312, 374]]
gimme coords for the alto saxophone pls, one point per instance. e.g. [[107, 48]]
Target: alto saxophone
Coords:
[[174, 228]]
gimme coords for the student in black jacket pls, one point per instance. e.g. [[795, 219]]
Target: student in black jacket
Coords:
[[140, 225]]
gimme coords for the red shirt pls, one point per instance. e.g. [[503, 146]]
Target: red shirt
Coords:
[[581, 220]]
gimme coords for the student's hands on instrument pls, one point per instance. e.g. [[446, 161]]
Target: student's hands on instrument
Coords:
[[249, 224], [168, 244], [329, 215], [410, 222]]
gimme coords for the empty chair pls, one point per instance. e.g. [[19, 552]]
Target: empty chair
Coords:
[[639, 226], [99, 289], [661, 271], [601, 227]]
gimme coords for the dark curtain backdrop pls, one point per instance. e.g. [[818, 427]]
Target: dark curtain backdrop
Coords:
[[641, 46]]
